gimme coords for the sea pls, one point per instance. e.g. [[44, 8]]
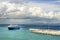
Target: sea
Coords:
[[25, 34]]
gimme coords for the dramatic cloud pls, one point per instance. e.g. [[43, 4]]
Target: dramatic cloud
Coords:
[[42, 12], [12, 10]]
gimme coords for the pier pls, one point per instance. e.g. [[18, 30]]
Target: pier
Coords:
[[45, 31]]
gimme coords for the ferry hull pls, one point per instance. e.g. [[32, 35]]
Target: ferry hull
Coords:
[[13, 28]]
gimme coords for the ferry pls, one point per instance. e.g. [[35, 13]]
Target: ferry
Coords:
[[13, 27]]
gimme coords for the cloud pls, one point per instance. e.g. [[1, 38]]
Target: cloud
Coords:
[[36, 12], [13, 10]]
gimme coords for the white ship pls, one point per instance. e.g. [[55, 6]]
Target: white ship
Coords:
[[13, 27]]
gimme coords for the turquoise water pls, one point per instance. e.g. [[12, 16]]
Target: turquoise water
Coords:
[[24, 34]]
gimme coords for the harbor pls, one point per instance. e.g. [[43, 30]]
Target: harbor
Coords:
[[24, 33]]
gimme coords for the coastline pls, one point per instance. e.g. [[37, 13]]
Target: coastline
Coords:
[[45, 31]]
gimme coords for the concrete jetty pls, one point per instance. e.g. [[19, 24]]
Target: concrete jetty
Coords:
[[45, 31]]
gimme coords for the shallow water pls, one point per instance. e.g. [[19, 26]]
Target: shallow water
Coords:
[[24, 34]]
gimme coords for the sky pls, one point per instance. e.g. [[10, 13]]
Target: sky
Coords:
[[46, 10]]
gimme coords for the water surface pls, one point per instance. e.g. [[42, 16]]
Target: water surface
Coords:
[[24, 34]]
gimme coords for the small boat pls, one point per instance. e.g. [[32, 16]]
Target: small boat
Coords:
[[13, 27]]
